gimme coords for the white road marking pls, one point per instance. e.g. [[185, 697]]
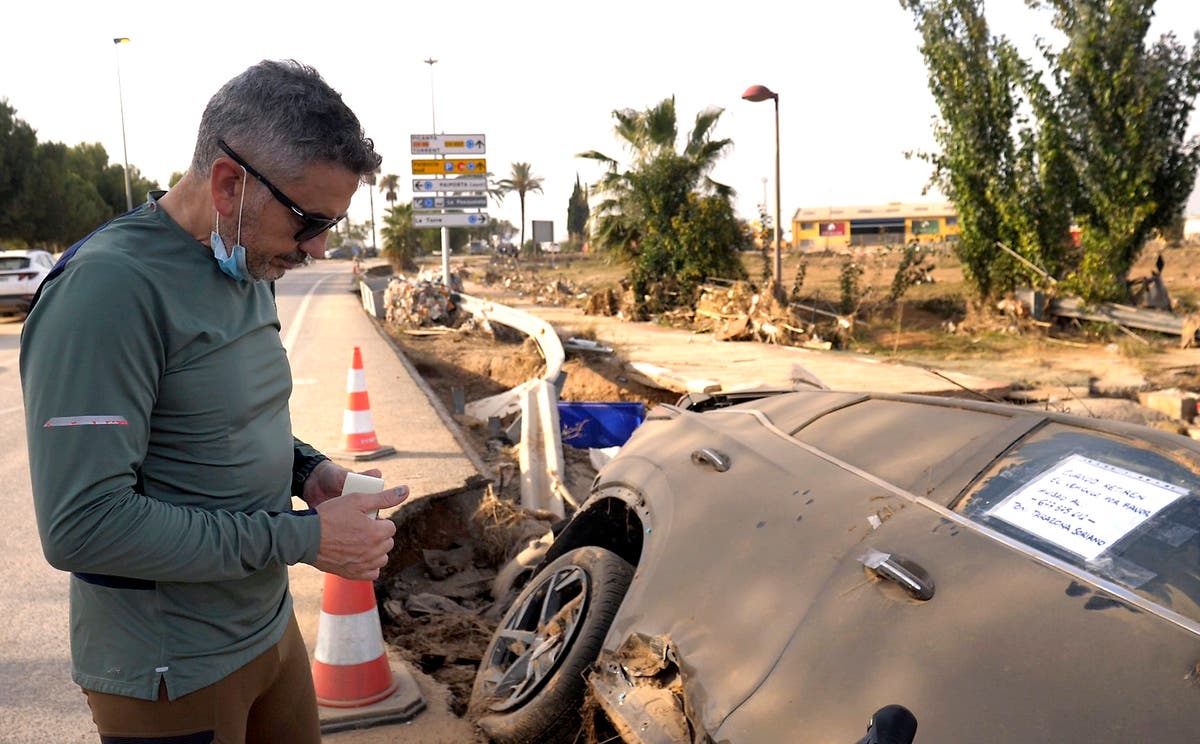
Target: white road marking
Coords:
[[298, 317]]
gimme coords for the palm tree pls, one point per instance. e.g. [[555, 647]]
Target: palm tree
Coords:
[[655, 188], [389, 185], [401, 240], [522, 181]]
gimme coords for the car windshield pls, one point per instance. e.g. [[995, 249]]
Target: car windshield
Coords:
[[1116, 508], [13, 263]]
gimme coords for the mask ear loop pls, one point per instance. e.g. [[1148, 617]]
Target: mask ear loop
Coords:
[[242, 202], [241, 205]]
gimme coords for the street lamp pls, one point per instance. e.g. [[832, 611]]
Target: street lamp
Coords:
[[445, 230], [121, 100], [758, 93], [371, 179], [432, 111]]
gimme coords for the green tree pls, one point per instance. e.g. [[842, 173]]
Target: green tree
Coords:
[[401, 240], [1103, 145], [522, 181], [1122, 110], [389, 185], [18, 141], [644, 213], [975, 81], [577, 212], [60, 205], [695, 248], [90, 162], [52, 194]]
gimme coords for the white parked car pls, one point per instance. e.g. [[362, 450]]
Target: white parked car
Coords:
[[21, 273]]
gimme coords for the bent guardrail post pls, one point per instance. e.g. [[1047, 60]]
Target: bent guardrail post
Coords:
[[540, 454]]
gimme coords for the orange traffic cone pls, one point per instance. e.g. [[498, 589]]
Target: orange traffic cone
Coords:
[[350, 666], [358, 431]]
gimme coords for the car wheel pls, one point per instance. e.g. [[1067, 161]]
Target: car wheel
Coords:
[[530, 684]]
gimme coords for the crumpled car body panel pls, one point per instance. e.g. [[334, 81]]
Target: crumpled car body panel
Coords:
[[753, 579]]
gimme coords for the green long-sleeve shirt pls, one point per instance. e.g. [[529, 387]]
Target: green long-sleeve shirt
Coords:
[[142, 358]]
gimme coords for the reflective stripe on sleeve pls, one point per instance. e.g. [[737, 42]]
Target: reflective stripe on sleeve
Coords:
[[85, 421]]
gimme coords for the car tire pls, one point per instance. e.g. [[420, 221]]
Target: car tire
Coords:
[[531, 682]]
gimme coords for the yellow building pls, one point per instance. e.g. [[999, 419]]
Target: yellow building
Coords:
[[895, 223]]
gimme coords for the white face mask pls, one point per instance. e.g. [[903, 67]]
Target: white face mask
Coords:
[[232, 263]]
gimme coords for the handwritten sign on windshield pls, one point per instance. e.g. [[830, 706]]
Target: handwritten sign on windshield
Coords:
[[1085, 506]]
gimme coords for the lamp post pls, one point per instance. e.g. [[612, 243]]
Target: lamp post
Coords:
[[121, 101], [432, 111], [371, 179], [759, 93], [445, 230]]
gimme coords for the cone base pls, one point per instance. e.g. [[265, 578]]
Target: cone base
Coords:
[[403, 705], [381, 451]]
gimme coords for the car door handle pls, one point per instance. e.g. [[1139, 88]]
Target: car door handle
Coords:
[[709, 456], [908, 574]]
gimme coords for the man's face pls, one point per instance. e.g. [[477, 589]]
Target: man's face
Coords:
[[269, 230]]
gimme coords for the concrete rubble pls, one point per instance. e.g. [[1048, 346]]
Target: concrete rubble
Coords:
[[423, 300]]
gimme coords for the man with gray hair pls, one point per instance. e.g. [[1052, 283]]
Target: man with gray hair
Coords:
[[160, 445]]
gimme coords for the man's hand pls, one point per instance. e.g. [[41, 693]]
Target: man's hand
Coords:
[[326, 482], [355, 545]]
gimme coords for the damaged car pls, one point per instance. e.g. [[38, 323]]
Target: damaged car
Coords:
[[771, 568]]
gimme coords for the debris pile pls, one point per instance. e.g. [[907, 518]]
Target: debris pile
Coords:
[[422, 301], [607, 301], [738, 312], [441, 608], [560, 291]]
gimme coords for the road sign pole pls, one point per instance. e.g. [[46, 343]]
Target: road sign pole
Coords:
[[446, 257]]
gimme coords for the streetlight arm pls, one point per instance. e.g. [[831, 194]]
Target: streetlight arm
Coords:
[[758, 93]]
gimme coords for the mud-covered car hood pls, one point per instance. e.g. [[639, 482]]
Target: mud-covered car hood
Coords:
[[754, 617]]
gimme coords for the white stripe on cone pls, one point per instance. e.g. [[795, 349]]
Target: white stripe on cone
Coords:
[[356, 381], [357, 422], [345, 640]]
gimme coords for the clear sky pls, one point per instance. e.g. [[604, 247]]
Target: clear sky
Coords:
[[539, 78]]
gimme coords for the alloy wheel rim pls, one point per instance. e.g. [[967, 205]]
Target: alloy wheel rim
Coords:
[[535, 637]]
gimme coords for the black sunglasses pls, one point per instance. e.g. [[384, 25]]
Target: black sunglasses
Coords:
[[314, 224]]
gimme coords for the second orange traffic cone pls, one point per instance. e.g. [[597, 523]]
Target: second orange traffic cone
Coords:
[[358, 431], [350, 666]]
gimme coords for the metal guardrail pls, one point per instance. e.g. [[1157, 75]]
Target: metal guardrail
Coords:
[[534, 327], [541, 456]]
